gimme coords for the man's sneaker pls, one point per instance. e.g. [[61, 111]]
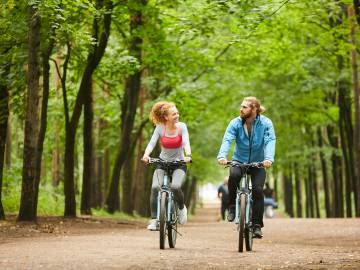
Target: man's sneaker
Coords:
[[231, 214], [257, 233], [182, 215], [153, 225]]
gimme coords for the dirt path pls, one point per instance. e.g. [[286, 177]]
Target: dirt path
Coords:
[[205, 244]]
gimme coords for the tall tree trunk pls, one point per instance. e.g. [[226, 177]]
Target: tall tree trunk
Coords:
[[307, 197], [55, 170], [356, 104], [298, 192], [288, 194], [31, 135], [94, 57], [128, 108], [55, 161], [4, 114], [85, 207], [324, 174], [8, 144], [106, 174], [43, 117], [127, 198], [338, 205], [315, 191], [139, 180], [311, 192]]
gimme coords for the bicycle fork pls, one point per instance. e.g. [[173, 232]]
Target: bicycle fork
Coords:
[[243, 190]]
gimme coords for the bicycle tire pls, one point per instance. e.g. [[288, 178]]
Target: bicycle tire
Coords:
[[172, 227], [241, 226], [249, 230], [162, 228]]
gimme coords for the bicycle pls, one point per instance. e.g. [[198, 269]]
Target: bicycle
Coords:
[[166, 205], [243, 205]]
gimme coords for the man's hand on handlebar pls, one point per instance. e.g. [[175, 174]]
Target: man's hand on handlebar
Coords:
[[267, 164], [187, 159]]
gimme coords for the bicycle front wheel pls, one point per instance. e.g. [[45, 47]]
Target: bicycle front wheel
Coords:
[[163, 220], [241, 226], [248, 228], [172, 227]]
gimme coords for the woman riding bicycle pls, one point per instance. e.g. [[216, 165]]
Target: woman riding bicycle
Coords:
[[174, 139]]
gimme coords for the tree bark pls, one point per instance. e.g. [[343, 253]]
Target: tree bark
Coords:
[[298, 192], [85, 207], [127, 198], [4, 121], [94, 57], [324, 174], [43, 117], [338, 206], [356, 102], [27, 203], [128, 109], [288, 193]]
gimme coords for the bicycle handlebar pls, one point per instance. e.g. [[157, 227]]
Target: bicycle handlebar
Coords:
[[245, 165], [164, 162]]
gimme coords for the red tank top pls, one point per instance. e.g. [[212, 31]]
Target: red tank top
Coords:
[[171, 142]]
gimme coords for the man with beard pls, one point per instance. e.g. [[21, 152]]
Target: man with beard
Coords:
[[255, 139]]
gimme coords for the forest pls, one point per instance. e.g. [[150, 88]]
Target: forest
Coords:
[[78, 79]]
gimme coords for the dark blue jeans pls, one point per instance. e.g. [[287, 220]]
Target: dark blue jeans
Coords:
[[258, 176]]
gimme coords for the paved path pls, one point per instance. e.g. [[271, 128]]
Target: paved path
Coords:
[[205, 244]]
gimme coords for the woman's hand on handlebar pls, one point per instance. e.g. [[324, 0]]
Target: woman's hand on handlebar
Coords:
[[145, 159], [222, 161]]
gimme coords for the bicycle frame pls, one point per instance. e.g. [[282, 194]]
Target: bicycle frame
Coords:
[[245, 188], [165, 187]]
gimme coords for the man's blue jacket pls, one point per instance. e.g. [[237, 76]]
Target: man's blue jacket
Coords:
[[258, 147]]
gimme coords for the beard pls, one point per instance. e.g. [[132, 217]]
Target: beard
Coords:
[[245, 115]]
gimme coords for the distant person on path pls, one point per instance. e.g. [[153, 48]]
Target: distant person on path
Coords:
[[255, 140], [223, 194], [174, 139], [268, 192], [269, 196]]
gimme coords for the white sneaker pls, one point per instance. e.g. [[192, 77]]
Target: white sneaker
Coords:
[[182, 215], [153, 225]]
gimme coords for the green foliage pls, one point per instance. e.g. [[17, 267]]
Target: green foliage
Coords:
[[205, 56]]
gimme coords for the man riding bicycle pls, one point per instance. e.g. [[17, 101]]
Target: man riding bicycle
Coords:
[[255, 140]]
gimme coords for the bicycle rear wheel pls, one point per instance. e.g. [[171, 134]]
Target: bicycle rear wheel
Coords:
[[249, 229], [172, 228], [241, 226], [162, 220]]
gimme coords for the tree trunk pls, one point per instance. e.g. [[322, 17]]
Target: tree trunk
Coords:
[[43, 117], [106, 175], [298, 192], [85, 207], [31, 135], [94, 57], [356, 103], [324, 173], [55, 170], [288, 194], [336, 174], [128, 109], [138, 188], [4, 121], [127, 198], [8, 144], [315, 191], [307, 197], [311, 192]]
